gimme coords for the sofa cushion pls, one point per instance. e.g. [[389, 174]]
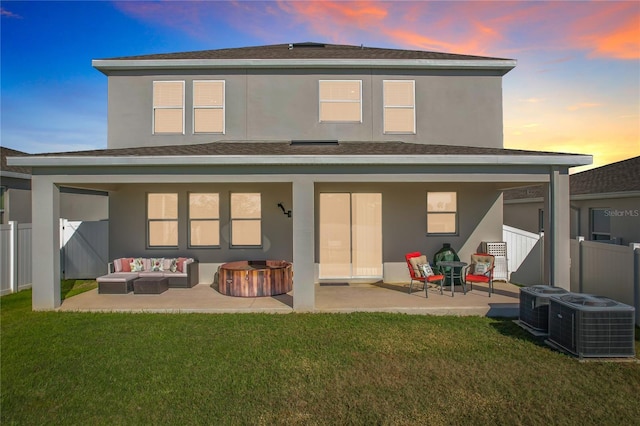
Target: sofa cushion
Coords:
[[151, 274], [117, 277]]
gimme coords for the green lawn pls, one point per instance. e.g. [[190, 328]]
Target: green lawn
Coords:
[[79, 368]]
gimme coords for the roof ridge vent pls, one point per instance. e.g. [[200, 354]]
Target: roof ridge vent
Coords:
[[314, 142], [306, 44]]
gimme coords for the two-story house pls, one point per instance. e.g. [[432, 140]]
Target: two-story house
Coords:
[[374, 152]]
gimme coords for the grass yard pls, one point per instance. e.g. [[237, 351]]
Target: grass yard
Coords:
[[80, 368]]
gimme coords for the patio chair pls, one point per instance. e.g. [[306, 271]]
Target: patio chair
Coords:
[[480, 270], [420, 270]]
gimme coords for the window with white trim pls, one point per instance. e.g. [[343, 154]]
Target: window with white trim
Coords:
[[204, 219], [340, 101], [399, 106], [208, 106], [442, 213], [162, 220], [168, 107], [246, 219]]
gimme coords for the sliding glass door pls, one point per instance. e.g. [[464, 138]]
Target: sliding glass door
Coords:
[[350, 235]]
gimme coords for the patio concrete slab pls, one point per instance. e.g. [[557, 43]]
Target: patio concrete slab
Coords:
[[361, 297]]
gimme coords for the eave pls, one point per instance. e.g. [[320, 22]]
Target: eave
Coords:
[[303, 160], [108, 65]]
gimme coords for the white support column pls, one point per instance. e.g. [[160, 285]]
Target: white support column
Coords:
[[46, 243], [557, 262], [303, 214]]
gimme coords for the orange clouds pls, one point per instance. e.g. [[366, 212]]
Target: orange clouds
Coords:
[[493, 28], [620, 43], [602, 29]]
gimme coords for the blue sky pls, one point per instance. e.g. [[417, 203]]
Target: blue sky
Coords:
[[576, 87]]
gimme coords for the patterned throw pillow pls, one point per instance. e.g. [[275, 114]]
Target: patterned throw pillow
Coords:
[[157, 265], [137, 265], [171, 265], [482, 268], [426, 270]]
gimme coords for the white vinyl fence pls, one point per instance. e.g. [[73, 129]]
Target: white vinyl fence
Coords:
[[606, 270], [519, 245], [84, 252], [15, 257]]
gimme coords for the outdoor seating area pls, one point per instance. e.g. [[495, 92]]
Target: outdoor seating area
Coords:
[[154, 274]]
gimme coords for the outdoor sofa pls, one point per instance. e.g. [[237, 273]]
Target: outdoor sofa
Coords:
[[180, 272]]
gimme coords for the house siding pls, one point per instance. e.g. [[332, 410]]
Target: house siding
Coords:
[[452, 108]]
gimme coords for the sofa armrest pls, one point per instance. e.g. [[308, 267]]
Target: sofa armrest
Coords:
[[111, 268], [193, 273]]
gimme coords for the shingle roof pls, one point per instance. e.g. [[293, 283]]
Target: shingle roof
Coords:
[[8, 152], [622, 176], [307, 50], [287, 148]]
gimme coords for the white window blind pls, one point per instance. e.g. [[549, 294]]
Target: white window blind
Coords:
[[168, 107], [399, 106], [340, 100], [209, 106]]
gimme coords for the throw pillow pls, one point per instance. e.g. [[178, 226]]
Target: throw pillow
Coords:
[[426, 270], [126, 264], [117, 265], [415, 261], [482, 268], [180, 264], [137, 265], [171, 265], [157, 264]]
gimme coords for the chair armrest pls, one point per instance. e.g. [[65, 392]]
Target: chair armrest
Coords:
[[193, 274]]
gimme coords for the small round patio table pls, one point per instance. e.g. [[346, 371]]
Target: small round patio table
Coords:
[[454, 264]]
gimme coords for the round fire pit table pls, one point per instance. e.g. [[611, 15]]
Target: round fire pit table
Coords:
[[255, 278]]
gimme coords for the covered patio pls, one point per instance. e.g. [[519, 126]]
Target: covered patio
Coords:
[[296, 176], [340, 298]]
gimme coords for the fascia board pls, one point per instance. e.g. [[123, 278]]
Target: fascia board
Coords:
[[605, 195], [433, 160], [15, 175], [128, 64]]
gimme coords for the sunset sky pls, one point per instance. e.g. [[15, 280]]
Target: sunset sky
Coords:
[[576, 87]]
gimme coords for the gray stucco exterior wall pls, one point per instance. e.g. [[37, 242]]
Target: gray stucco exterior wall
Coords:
[[452, 107]]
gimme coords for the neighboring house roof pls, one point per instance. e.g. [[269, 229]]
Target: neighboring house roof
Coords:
[[307, 152], [305, 55], [13, 171], [622, 176]]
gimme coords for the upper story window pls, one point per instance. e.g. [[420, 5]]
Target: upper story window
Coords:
[[442, 213], [168, 107], [162, 220], [399, 106], [208, 106], [246, 219], [340, 101], [204, 219]]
